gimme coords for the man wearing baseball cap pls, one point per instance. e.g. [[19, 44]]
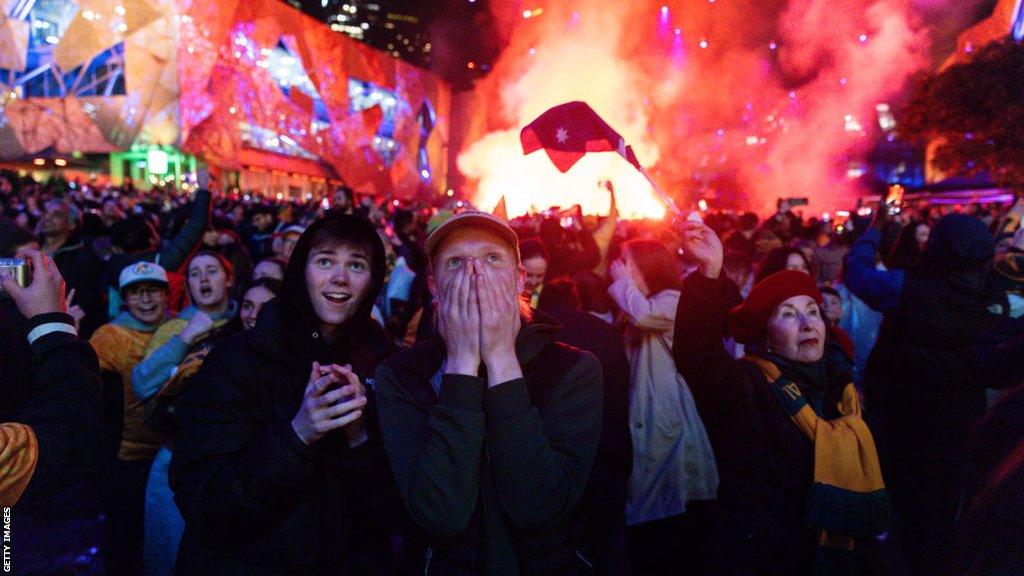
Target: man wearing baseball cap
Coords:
[[491, 427], [120, 345]]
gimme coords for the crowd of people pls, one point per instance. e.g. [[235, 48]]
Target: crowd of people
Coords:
[[347, 385]]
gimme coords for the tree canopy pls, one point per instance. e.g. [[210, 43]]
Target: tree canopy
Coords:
[[974, 112]]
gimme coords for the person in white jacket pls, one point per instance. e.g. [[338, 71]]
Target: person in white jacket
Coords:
[[673, 463]]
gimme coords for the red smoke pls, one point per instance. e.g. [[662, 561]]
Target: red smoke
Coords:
[[744, 101]]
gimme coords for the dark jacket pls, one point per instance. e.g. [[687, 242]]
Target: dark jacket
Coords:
[[765, 463], [52, 385], [494, 482], [82, 270], [606, 491], [255, 498]]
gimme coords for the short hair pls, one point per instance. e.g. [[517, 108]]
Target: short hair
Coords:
[[532, 248]]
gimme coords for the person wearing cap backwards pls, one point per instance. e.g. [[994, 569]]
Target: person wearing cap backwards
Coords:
[[491, 427], [800, 482], [120, 346], [278, 467]]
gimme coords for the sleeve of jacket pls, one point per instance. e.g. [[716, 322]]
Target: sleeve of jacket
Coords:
[[150, 375], [435, 453], [231, 472], [178, 248], [647, 313], [713, 375], [879, 289], [65, 409], [542, 464]]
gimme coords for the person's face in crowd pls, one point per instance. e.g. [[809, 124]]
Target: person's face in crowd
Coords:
[[796, 330], [536, 268], [111, 211], [796, 262], [288, 245], [252, 302], [338, 277], [831, 307], [238, 212], [147, 302], [56, 222], [208, 283], [467, 243], [340, 201], [921, 235], [267, 269], [210, 237], [262, 221], [635, 273]]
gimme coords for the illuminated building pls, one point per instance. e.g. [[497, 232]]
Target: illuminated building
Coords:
[[262, 95]]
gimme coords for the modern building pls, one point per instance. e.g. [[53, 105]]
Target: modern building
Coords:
[[260, 94]]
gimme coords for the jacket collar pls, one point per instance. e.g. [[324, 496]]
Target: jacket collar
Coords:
[[269, 337]]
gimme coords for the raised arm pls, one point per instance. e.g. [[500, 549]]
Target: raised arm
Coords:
[[714, 376], [879, 289], [177, 249]]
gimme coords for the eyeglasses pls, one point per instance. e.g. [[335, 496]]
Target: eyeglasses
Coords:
[[138, 293]]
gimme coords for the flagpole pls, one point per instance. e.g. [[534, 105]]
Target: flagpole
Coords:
[[664, 197]]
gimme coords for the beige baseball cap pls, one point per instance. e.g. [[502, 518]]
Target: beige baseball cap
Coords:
[[476, 219]]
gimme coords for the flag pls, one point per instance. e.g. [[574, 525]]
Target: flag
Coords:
[[568, 131]]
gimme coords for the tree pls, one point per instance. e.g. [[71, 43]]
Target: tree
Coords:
[[974, 113]]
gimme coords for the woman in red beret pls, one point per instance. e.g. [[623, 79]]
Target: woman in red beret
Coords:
[[799, 478]]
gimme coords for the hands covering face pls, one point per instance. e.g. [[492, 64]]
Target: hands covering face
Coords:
[[478, 313]]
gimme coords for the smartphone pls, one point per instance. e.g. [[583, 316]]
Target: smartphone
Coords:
[[18, 268]]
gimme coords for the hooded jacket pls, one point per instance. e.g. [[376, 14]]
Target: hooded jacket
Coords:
[[492, 479], [255, 498]]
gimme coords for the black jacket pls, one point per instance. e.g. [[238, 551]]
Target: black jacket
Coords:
[[765, 463], [255, 498], [606, 491], [54, 387], [82, 270], [494, 482]]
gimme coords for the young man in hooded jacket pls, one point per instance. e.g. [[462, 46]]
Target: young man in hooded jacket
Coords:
[[278, 467], [492, 428]]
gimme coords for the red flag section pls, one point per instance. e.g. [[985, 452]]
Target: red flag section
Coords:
[[568, 131]]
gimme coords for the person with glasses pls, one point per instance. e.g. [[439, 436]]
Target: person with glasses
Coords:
[[131, 445]]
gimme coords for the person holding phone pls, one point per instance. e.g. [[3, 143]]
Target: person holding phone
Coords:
[[278, 467]]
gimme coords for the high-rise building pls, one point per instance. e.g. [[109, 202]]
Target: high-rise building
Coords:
[[398, 28]]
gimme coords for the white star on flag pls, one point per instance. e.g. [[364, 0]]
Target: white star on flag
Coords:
[[562, 135]]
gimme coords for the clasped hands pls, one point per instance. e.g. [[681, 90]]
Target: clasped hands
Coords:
[[478, 317]]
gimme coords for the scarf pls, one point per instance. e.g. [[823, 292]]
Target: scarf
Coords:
[[848, 499], [19, 454]]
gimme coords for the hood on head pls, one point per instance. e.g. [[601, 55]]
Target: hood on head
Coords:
[[298, 316], [960, 242]]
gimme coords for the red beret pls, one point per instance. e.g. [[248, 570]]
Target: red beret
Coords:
[[748, 322]]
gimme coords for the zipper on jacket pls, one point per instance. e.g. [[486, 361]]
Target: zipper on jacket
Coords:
[[426, 564]]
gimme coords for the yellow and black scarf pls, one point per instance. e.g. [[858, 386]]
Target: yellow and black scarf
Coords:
[[848, 499]]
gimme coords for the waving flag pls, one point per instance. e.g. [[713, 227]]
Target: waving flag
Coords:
[[568, 131]]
